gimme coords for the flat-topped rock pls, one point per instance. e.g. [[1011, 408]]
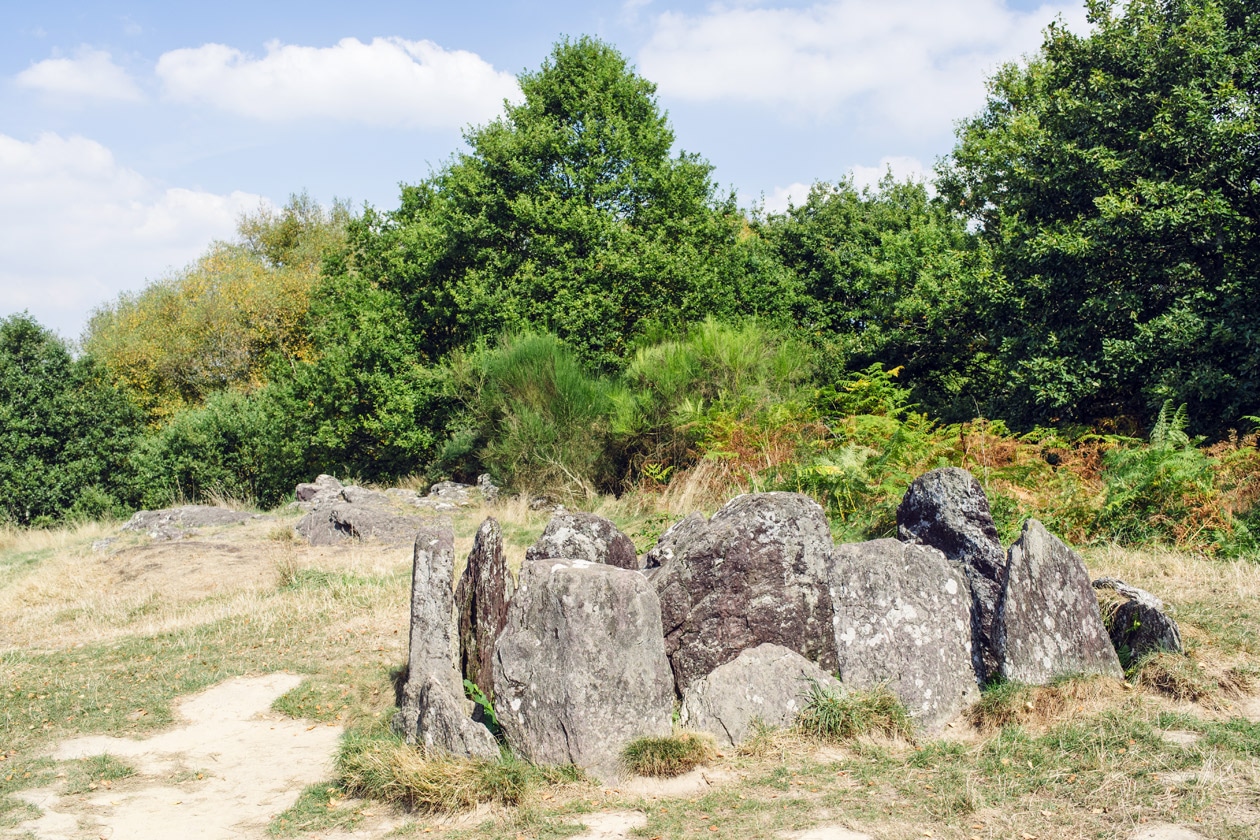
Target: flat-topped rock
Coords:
[[903, 619], [175, 523]]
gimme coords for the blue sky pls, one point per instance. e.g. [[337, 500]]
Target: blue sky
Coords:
[[132, 134]]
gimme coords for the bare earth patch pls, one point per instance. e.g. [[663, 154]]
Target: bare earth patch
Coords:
[[230, 768]]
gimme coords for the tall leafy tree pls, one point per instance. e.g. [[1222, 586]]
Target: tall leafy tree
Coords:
[[570, 214], [1117, 177], [65, 434]]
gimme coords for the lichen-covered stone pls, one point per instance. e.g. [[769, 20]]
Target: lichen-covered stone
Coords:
[[433, 712], [481, 602], [903, 619], [584, 536], [177, 522], [768, 684], [1048, 621], [322, 492], [948, 510], [580, 668], [1135, 619], [754, 573]]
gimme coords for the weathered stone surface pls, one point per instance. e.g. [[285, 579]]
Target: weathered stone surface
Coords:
[[372, 518], [903, 618], [754, 573], [481, 603], [580, 668], [1048, 621], [948, 510], [768, 683], [324, 487], [175, 523], [1135, 619], [584, 536], [433, 712], [489, 490]]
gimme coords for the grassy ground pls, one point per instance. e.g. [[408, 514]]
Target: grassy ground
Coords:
[[102, 640]]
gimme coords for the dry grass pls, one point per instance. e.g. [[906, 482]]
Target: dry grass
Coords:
[[667, 757]]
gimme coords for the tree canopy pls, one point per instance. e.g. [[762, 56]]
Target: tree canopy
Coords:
[[1117, 177]]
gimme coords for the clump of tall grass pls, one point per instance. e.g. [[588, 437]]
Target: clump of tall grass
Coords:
[[667, 757], [842, 716]]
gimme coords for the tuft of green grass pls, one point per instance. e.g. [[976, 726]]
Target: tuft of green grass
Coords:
[[318, 808], [1001, 704], [833, 717], [667, 757], [88, 774], [1183, 678]]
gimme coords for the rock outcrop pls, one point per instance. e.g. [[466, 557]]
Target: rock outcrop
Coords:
[[948, 510], [754, 573], [324, 491], [481, 603], [767, 684], [584, 536], [372, 517], [1048, 622], [1135, 619], [903, 619], [177, 522], [433, 712], [580, 668]]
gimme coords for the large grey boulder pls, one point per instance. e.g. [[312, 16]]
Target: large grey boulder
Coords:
[[768, 683], [754, 573], [584, 536], [580, 668], [481, 603], [177, 522], [1048, 622], [1135, 619], [948, 510], [433, 712], [903, 619], [370, 517], [324, 491]]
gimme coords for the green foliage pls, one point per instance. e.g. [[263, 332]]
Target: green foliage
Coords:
[[1115, 176], [1164, 491], [485, 709], [218, 323], [88, 774], [65, 434], [568, 215], [666, 757], [536, 419], [833, 717]]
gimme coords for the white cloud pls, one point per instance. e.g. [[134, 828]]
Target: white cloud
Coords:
[[911, 64], [780, 198], [91, 74], [902, 168], [389, 82], [76, 228]]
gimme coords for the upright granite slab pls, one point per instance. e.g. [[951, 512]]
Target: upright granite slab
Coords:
[[903, 619], [580, 668], [1048, 622], [584, 536], [768, 684], [948, 510], [433, 712], [481, 604], [754, 573]]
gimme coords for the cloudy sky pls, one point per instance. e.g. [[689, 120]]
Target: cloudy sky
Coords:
[[132, 134]]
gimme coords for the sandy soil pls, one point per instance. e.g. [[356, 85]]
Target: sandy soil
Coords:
[[225, 772]]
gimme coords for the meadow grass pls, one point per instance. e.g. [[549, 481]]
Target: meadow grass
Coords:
[[104, 641]]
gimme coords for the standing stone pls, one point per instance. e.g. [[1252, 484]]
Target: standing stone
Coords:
[[481, 602], [754, 573], [903, 619], [1135, 619], [1048, 621], [768, 683], [947, 509], [584, 536], [433, 712], [580, 669]]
